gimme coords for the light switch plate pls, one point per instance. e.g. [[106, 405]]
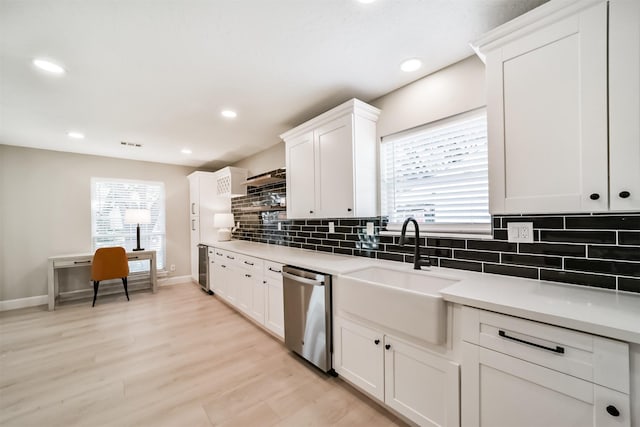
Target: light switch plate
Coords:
[[279, 226], [520, 232], [332, 227], [369, 229]]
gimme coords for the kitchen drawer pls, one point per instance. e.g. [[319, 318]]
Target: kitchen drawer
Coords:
[[593, 358], [249, 263], [76, 262], [272, 269]]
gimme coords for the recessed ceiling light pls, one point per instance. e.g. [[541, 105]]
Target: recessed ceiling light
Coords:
[[185, 151], [49, 66], [411, 65], [75, 135], [229, 114]]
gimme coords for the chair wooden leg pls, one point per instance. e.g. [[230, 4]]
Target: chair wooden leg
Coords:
[[126, 291], [95, 292]]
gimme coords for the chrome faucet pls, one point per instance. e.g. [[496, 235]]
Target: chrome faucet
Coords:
[[417, 260]]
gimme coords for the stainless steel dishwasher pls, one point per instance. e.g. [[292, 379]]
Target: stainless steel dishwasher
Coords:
[[307, 315]]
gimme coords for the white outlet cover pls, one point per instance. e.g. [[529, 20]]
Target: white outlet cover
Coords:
[[332, 227], [370, 229], [279, 226], [520, 232]]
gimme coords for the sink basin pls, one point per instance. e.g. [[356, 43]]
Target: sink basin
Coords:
[[407, 301]]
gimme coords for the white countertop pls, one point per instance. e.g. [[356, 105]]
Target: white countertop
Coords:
[[601, 312]]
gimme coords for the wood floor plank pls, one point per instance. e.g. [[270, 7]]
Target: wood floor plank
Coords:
[[174, 358]]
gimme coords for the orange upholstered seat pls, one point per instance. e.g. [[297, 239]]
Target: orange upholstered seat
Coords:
[[109, 263]]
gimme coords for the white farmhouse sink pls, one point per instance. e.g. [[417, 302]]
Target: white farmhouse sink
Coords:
[[407, 301]]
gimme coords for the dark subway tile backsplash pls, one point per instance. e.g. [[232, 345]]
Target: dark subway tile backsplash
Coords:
[[600, 251]]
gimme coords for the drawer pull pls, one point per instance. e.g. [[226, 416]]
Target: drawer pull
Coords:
[[275, 271], [82, 262], [231, 257], [558, 349], [613, 411], [248, 263]]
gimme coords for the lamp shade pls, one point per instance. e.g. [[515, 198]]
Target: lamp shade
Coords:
[[223, 220], [137, 216]]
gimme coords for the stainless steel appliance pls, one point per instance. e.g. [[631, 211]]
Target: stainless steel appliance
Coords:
[[203, 268], [307, 315]]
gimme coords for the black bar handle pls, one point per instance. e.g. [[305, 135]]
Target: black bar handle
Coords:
[[275, 271], [82, 262], [558, 349], [248, 263]]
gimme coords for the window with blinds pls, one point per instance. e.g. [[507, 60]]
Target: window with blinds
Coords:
[[110, 199], [438, 174]]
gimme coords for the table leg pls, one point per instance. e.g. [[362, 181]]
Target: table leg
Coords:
[[51, 287]]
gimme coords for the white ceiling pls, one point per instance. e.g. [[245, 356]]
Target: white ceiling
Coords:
[[158, 72]]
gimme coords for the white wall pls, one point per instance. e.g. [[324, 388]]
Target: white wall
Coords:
[[455, 89], [45, 210]]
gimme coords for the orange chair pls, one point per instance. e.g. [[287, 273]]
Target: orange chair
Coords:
[[109, 263]]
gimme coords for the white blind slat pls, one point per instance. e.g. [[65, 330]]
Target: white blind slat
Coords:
[[437, 173]]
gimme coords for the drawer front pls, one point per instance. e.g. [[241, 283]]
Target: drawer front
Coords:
[[211, 252], [593, 358], [249, 263], [76, 262], [273, 269]]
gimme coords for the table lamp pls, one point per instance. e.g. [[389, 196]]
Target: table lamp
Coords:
[[137, 216], [224, 223]]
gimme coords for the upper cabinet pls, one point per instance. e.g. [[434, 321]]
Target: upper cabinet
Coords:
[[230, 182], [331, 164], [563, 106]]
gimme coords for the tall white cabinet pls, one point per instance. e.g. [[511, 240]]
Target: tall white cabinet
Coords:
[[331, 164], [204, 203], [563, 106]]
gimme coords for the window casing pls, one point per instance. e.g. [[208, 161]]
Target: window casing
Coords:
[[110, 198], [438, 174]]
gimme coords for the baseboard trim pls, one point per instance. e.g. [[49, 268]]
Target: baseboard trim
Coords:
[[14, 304], [169, 281]]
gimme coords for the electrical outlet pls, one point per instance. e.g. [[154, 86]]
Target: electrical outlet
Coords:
[[172, 267], [369, 229], [332, 227], [520, 232], [279, 226]]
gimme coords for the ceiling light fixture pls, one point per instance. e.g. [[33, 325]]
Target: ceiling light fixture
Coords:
[[185, 151], [229, 114], [75, 135], [48, 66], [411, 65]]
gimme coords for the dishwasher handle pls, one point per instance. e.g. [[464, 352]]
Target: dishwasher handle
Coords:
[[302, 280]]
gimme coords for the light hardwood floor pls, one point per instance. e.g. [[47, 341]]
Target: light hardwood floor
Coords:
[[176, 358]]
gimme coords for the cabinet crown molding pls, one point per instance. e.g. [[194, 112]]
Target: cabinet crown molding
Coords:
[[541, 16], [354, 106]]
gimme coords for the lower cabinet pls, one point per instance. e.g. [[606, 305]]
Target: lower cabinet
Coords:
[[518, 372], [252, 285], [416, 383]]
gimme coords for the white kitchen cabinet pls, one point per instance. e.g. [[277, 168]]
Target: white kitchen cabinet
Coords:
[[548, 110], [203, 205], [330, 160], [273, 298], [218, 279], [418, 384], [230, 182], [524, 373]]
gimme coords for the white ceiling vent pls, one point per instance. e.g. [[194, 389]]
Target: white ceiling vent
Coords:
[[130, 144]]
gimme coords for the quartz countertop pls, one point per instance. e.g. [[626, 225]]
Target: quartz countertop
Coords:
[[601, 312]]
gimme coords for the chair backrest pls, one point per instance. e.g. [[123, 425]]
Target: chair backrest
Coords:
[[109, 263]]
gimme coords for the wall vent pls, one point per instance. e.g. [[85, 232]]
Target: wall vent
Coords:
[[130, 144]]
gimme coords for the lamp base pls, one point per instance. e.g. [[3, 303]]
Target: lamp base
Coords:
[[224, 234]]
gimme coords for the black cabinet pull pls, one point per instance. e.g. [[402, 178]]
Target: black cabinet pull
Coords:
[[247, 275], [624, 194], [223, 266], [387, 346], [82, 262], [275, 271], [376, 342], [218, 253], [349, 209], [248, 263], [594, 196], [558, 349], [613, 411], [230, 257], [311, 212]]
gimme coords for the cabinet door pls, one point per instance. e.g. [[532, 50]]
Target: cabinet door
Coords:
[[218, 279], [258, 291], [334, 168], [500, 390], [547, 112], [274, 308], [359, 356], [244, 281], [231, 277], [300, 177], [624, 104], [194, 239], [194, 194], [421, 386]]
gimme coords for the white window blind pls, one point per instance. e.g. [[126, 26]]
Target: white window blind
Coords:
[[438, 174], [110, 199]]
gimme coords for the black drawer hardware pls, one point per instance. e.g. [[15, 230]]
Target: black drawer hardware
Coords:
[[349, 209], [376, 342], [231, 257], [248, 263], [218, 253], [133, 257], [387, 346], [223, 266], [82, 262], [558, 349], [311, 212], [624, 194], [613, 411], [247, 275], [275, 271], [594, 196]]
